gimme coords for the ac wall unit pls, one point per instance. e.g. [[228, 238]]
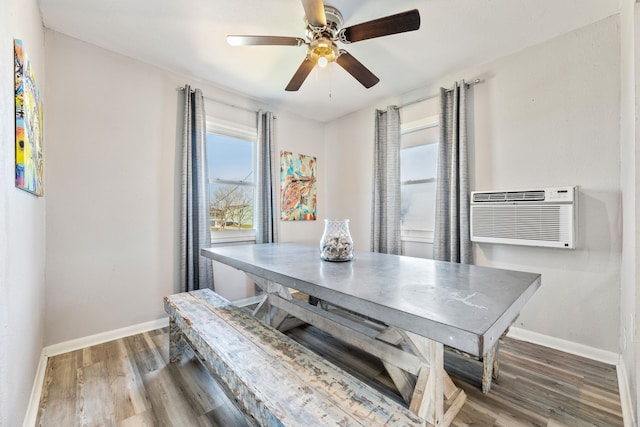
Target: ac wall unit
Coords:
[[543, 217]]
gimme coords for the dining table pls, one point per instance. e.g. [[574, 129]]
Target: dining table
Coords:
[[403, 310]]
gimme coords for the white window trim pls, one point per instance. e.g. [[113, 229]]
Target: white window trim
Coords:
[[247, 133], [234, 130], [418, 236], [230, 236], [420, 124]]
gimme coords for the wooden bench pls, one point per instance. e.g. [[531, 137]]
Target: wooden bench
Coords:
[[274, 380]]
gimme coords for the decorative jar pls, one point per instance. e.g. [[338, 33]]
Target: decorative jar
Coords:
[[336, 243]]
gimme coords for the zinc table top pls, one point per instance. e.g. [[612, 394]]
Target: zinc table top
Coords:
[[462, 306]]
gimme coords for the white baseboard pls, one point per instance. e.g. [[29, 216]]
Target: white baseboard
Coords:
[[625, 395], [72, 345], [36, 391], [566, 346]]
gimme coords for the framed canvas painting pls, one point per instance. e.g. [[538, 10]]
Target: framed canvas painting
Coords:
[[297, 187], [29, 146]]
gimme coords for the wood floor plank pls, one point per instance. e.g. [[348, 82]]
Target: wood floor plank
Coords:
[[59, 393], [501, 406], [95, 404], [126, 385], [147, 358], [143, 419], [584, 395], [167, 401], [129, 382]]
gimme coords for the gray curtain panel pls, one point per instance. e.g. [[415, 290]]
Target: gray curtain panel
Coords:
[[266, 215], [385, 215], [195, 272], [452, 240]]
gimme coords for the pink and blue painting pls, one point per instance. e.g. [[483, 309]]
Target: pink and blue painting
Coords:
[[297, 187], [29, 148]]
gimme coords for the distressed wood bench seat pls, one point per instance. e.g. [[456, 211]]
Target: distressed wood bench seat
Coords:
[[274, 380]]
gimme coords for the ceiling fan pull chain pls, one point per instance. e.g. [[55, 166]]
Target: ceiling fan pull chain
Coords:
[[330, 72]]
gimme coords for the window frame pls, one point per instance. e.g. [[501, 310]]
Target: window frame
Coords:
[[230, 129], [429, 122]]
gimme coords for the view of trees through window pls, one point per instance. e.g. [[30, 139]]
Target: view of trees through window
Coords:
[[231, 182], [231, 207]]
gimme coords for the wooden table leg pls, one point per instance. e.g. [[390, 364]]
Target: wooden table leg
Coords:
[[435, 397], [496, 362], [418, 372], [489, 368], [265, 311]]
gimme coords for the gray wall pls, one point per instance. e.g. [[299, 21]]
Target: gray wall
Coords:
[[113, 171], [22, 235], [629, 182], [546, 116]]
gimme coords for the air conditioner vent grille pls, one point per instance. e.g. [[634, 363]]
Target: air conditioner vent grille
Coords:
[[544, 217], [537, 222], [509, 196]]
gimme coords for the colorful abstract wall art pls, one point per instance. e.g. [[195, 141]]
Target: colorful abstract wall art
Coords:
[[29, 145], [297, 187]]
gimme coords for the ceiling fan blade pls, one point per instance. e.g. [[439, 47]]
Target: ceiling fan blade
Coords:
[[301, 74], [264, 40], [356, 69], [314, 10], [392, 24]]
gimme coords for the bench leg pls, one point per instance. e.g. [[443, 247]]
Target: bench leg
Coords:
[[176, 342]]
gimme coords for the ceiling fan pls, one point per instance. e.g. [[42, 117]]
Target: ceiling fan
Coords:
[[324, 29]]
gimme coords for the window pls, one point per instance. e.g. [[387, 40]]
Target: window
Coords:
[[231, 161], [418, 160]]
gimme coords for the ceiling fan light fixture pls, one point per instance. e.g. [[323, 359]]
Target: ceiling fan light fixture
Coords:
[[322, 51], [323, 61], [324, 28]]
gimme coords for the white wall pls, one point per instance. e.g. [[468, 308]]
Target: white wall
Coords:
[[628, 178], [550, 116], [22, 233], [630, 281], [546, 116], [303, 136], [349, 151], [112, 212]]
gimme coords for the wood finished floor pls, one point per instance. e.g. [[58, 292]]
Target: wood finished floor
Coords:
[[129, 382]]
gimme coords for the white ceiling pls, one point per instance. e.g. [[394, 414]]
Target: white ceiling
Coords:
[[188, 37]]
